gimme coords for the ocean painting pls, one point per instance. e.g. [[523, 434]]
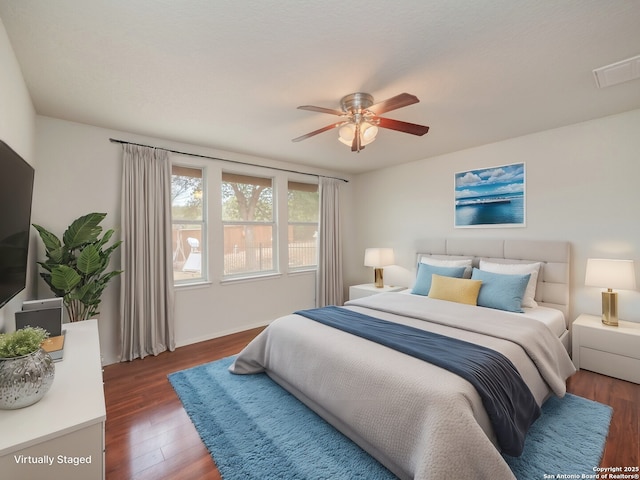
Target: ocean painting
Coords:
[[490, 197]]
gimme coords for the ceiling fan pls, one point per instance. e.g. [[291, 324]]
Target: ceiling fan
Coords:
[[360, 120]]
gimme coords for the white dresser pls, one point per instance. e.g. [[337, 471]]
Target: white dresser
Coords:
[[61, 436], [613, 351]]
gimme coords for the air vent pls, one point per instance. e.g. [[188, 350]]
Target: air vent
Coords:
[[618, 72]]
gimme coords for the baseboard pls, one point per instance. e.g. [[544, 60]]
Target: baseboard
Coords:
[[223, 333]]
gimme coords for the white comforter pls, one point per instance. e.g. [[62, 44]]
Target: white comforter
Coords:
[[417, 419]]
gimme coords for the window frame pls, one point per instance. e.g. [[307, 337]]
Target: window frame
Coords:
[[273, 224], [203, 224], [212, 223], [309, 267]]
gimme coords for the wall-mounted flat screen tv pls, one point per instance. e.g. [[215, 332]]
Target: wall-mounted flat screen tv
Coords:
[[16, 188]]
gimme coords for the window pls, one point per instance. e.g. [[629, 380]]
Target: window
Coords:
[[303, 225], [248, 223], [188, 224]]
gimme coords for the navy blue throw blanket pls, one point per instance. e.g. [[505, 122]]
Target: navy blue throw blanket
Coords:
[[505, 396]]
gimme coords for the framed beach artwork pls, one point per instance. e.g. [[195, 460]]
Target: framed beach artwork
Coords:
[[490, 197]]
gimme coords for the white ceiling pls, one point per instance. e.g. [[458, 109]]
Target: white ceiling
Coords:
[[230, 74]]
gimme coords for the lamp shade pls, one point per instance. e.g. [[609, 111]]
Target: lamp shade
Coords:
[[378, 257], [609, 273]]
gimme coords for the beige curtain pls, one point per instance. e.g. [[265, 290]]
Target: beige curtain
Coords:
[[147, 303], [329, 286]]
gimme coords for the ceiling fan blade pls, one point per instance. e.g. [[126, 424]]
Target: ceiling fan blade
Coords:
[[393, 103], [406, 127], [312, 108], [320, 130]]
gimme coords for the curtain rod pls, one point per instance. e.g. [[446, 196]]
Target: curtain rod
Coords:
[[114, 140]]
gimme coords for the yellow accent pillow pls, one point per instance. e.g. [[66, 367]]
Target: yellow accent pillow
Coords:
[[452, 289]]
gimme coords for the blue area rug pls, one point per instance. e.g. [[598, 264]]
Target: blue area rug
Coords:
[[256, 430], [568, 439]]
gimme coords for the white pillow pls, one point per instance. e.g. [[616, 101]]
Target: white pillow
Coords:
[[440, 262], [517, 269], [443, 262]]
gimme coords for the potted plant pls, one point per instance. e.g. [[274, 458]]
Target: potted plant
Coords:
[[75, 266], [26, 370]]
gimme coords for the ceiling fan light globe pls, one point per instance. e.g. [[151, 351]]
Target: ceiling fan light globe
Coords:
[[368, 133], [346, 133]]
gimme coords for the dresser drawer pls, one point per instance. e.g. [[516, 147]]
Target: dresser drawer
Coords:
[[612, 341], [611, 364]]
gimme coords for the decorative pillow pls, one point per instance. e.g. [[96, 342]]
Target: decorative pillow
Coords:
[[459, 290], [423, 278], [442, 262], [518, 269], [500, 291]]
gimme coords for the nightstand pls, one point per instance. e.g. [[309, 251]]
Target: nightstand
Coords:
[[613, 351], [367, 289]]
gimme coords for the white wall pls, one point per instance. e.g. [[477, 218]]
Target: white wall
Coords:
[[79, 171], [17, 129], [582, 186]]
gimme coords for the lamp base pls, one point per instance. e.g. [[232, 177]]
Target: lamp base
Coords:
[[610, 308], [377, 272]]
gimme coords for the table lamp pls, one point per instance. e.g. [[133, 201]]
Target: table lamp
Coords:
[[378, 258], [609, 274]]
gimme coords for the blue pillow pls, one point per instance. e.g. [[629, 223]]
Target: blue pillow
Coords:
[[501, 291], [423, 278]]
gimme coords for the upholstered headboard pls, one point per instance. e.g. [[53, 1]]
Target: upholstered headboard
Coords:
[[553, 279]]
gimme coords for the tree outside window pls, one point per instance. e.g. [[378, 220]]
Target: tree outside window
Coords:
[[248, 223], [303, 210]]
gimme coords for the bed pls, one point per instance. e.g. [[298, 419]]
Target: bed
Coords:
[[418, 419]]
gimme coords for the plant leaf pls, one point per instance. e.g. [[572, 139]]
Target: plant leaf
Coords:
[[50, 241], [82, 293], [64, 278], [89, 261], [57, 255], [56, 291], [45, 265], [85, 229], [108, 276], [105, 238], [21, 342]]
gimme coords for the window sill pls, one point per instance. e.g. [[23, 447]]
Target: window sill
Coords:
[[235, 280], [303, 271], [188, 286], [253, 278]]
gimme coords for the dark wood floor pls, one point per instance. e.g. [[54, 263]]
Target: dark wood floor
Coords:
[[150, 437], [623, 443]]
